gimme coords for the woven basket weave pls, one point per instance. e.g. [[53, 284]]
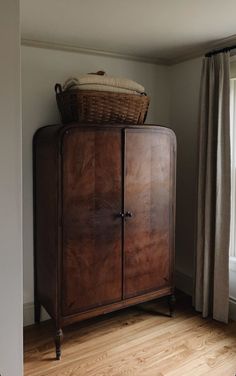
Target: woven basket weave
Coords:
[[101, 107]]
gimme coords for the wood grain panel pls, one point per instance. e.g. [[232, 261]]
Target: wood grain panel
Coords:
[[86, 262], [149, 181], [92, 256]]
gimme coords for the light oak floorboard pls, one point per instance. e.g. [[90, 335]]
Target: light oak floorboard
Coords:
[[137, 341]]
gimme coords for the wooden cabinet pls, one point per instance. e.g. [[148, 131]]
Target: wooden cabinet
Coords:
[[104, 209], [91, 232]]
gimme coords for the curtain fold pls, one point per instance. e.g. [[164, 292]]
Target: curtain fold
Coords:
[[213, 214]]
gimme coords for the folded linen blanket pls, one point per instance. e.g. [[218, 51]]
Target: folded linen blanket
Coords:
[[99, 82], [111, 89]]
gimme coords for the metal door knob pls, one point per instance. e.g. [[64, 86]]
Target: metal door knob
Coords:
[[129, 214]]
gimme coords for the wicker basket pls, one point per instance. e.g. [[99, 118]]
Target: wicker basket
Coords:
[[101, 107]]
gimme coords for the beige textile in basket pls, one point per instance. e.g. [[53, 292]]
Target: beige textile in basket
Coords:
[[101, 107]]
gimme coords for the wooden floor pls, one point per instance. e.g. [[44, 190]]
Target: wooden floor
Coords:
[[136, 341]]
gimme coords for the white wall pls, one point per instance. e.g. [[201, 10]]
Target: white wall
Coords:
[[184, 87], [175, 99], [10, 193], [41, 69]]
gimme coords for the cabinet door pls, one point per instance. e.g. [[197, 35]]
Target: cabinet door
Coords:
[[92, 230], [149, 196]]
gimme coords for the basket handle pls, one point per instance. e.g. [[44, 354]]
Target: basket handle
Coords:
[[145, 116], [58, 89], [146, 112]]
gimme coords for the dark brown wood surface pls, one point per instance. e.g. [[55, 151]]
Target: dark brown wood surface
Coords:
[[92, 254], [89, 260], [149, 181], [46, 247]]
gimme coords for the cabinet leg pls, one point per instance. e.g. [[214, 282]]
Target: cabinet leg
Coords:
[[58, 341], [37, 312], [171, 302]]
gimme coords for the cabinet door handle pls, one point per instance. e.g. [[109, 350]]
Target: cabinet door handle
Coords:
[[129, 214], [121, 215]]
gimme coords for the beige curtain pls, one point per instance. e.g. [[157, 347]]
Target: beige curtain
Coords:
[[213, 221]]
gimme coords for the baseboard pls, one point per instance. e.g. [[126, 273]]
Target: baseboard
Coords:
[[232, 288], [184, 282], [28, 312], [232, 309]]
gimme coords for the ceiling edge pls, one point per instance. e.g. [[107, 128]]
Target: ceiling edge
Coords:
[[193, 54], [200, 51], [77, 49]]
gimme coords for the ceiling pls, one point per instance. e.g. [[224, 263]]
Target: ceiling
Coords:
[[155, 30]]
